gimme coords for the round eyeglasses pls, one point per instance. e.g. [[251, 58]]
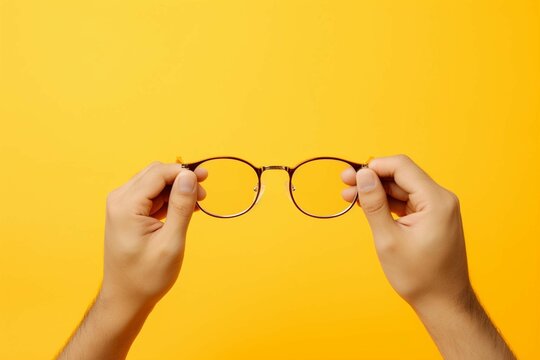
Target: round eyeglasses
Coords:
[[233, 185]]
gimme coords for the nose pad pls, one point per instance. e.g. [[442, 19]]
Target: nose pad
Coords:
[[286, 186], [259, 196]]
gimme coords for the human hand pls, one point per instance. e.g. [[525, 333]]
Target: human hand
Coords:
[[143, 255], [423, 256], [422, 252]]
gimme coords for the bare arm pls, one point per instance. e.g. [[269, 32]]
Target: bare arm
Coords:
[[461, 329], [423, 256], [143, 257], [106, 332]]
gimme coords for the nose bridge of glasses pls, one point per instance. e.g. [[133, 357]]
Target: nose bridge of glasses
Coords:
[[275, 167]]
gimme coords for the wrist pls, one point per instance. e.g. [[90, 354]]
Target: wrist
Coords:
[[110, 327], [463, 302], [126, 301], [461, 328], [120, 314]]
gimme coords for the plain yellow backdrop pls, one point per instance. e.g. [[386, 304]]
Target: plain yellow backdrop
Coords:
[[92, 91]]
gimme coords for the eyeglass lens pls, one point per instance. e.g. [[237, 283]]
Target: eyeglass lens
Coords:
[[317, 186], [231, 187]]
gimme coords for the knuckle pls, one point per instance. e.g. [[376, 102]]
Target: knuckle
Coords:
[[386, 246], [450, 201], [171, 249], [153, 165], [113, 203], [454, 200], [182, 208], [374, 207], [111, 198], [403, 158]]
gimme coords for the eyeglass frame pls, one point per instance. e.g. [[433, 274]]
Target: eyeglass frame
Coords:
[[260, 170]]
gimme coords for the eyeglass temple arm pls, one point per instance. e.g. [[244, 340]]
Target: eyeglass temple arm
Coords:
[[366, 164], [191, 166], [358, 166]]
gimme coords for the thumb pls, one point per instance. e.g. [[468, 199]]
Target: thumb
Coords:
[[373, 201], [181, 203]]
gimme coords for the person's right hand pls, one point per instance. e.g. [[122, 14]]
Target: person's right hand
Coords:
[[143, 254], [422, 252], [142, 260]]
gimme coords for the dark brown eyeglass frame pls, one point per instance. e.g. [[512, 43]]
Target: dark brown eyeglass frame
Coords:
[[260, 170]]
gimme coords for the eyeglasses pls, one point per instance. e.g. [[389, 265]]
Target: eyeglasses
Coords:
[[233, 185]]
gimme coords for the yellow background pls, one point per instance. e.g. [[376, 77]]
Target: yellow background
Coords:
[[92, 91]]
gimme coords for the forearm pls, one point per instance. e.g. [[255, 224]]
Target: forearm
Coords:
[[107, 331], [461, 329]]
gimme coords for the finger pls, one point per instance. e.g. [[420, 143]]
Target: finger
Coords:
[[374, 202], [397, 207], [406, 174], [349, 193], [160, 200], [153, 181], [181, 204], [201, 193], [162, 213], [349, 176], [201, 173], [141, 173], [395, 191]]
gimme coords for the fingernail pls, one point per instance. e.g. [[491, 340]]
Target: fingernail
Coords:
[[365, 180], [186, 182]]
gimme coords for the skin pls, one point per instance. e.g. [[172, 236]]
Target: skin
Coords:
[[421, 250], [423, 256], [143, 257]]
